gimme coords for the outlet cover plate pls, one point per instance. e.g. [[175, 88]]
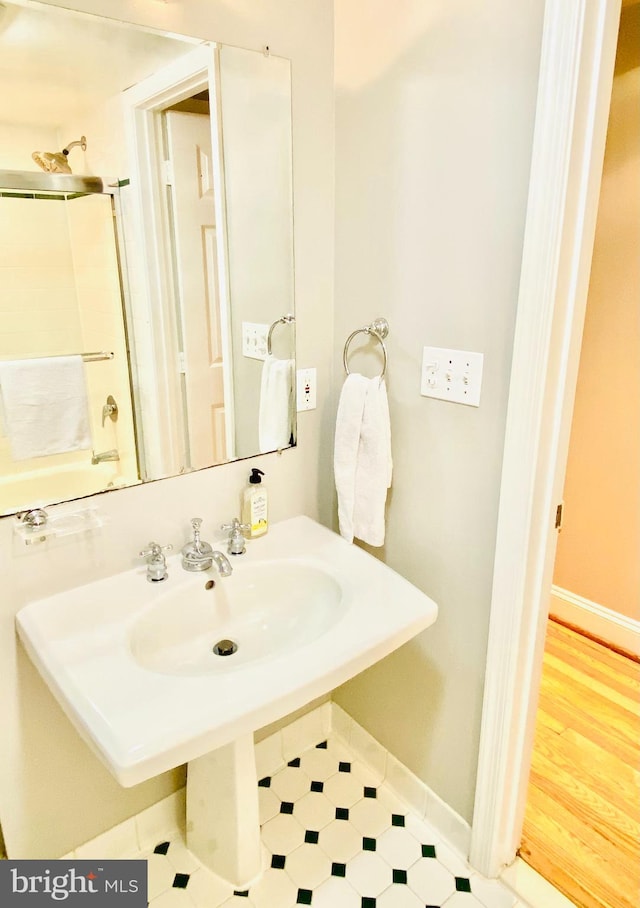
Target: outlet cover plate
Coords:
[[306, 389], [453, 375]]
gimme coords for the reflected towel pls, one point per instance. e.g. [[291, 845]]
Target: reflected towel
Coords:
[[362, 459], [44, 403], [275, 418]]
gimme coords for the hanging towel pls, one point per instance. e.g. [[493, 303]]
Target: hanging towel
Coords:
[[275, 418], [44, 403], [362, 459]]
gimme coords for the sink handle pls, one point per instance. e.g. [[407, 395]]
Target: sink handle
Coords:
[[236, 544], [156, 563]]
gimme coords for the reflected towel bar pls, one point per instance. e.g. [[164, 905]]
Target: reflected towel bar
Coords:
[[95, 357], [283, 320]]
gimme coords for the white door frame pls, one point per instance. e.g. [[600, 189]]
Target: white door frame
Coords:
[[574, 93]]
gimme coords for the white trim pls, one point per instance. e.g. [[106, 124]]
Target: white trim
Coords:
[[597, 620], [576, 70]]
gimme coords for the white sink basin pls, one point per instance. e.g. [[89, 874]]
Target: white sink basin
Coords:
[[264, 609], [131, 663]]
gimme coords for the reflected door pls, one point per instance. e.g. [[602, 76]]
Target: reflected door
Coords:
[[202, 361]]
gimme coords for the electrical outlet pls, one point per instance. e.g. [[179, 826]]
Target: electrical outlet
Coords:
[[453, 375], [306, 389], [254, 340]]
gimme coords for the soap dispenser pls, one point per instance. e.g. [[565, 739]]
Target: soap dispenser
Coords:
[[255, 505]]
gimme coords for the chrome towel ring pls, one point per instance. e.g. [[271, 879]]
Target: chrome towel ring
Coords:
[[283, 320], [379, 329]]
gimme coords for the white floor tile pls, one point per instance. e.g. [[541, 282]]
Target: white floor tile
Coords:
[[462, 900], [180, 858], [290, 783], [343, 789], [398, 848], [452, 860], [207, 890], [336, 893], [274, 890], [399, 897], [369, 874], [173, 898], [318, 764], [314, 811], [431, 881], [370, 817], [283, 834], [340, 841], [239, 901], [492, 893], [308, 866]]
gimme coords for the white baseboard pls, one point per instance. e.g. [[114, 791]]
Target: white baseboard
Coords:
[[617, 630]]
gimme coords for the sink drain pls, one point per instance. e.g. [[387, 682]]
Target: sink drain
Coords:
[[225, 648]]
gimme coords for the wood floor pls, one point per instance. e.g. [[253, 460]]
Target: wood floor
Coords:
[[582, 824]]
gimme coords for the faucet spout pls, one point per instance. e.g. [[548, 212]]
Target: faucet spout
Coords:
[[222, 563]]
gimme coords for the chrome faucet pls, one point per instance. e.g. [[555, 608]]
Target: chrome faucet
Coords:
[[222, 563], [104, 455], [156, 563], [197, 555]]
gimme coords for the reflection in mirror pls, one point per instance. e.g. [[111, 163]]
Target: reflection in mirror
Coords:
[[174, 260]]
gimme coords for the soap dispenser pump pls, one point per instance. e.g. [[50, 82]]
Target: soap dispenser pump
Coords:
[[255, 505]]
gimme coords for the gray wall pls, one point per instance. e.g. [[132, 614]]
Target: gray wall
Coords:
[[434, 121]]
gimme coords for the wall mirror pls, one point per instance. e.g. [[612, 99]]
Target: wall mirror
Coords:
[[147, 322]]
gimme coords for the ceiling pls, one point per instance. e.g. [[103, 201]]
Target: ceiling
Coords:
[[54, 64]]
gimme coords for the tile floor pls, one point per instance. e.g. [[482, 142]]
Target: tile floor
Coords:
[[333, 837]]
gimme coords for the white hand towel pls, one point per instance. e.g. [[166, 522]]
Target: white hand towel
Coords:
[[362, 459], [275, 418], [44, 403]]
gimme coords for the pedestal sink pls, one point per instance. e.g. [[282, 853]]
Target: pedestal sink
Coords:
[[135, 666]]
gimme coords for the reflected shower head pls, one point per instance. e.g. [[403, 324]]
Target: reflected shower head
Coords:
[[56, 162]]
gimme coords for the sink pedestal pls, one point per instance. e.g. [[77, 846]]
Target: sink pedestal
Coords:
[[223, 820]]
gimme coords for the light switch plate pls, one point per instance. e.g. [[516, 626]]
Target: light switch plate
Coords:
[[306, 389], [454, 375]]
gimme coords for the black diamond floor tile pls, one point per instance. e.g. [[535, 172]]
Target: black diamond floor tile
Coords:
[[162, 848], [181, 880]]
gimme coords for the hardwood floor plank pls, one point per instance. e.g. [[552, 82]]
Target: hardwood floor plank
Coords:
[[598, 685], [606, 719], [579, 856], [619, 663], [582, 823]]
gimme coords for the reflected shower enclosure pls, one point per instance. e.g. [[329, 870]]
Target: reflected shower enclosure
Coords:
[[62, 296]]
